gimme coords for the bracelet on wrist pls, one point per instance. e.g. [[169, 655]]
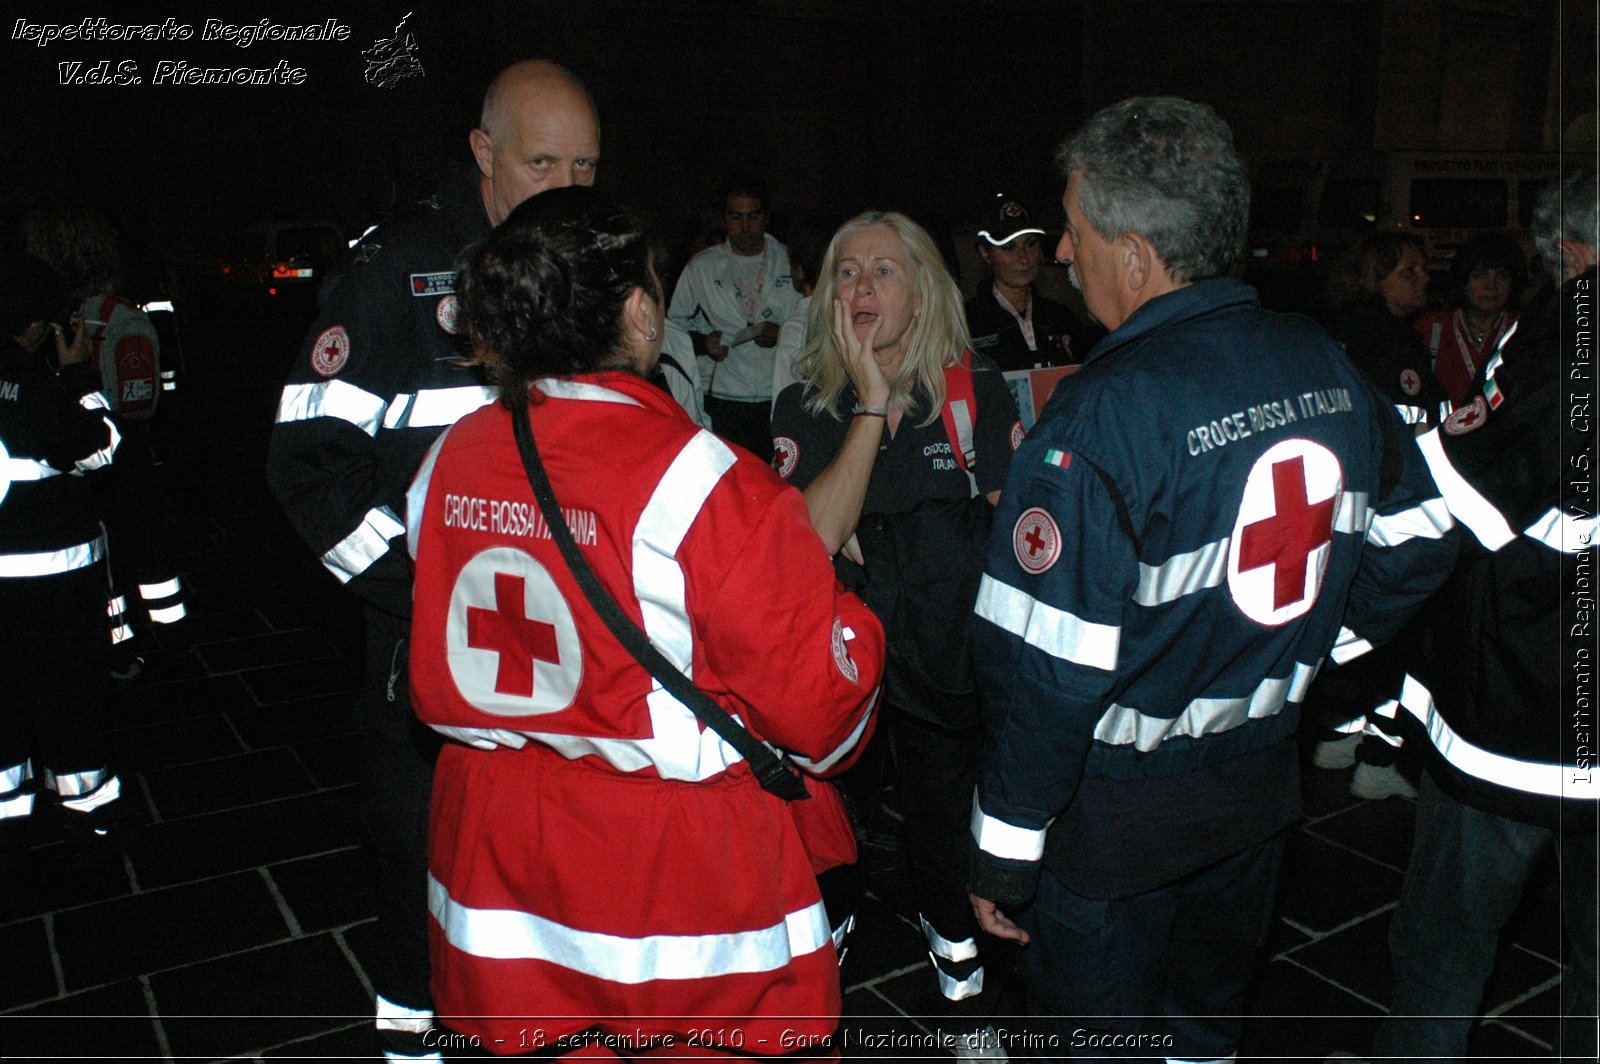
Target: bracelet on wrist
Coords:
[[870, 411]]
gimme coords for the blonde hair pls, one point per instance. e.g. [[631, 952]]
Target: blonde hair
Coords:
[[937, 335]]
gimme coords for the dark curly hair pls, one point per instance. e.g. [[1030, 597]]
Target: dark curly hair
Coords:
[[1493, 250], [542, 296]]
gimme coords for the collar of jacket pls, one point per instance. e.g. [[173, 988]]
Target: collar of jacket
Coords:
[[1189, 302]]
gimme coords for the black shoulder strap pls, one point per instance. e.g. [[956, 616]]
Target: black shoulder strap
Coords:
[[772, 768]]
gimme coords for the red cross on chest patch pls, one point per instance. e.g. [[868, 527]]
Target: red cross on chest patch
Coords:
[[1283, 534], [513, 647]]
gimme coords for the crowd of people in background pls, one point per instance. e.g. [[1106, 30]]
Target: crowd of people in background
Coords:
[[554, 471]]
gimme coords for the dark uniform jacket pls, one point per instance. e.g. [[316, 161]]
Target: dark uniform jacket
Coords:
[[1182, 534], [49, 436], [1391, 354], [1060, 338], [1504, 674], [377, 379]]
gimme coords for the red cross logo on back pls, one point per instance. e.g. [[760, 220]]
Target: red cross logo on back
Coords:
[[1285, 540], [1283, 533], [512, 644], [518, 640]]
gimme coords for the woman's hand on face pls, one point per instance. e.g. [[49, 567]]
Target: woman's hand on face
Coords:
[[872, 388]]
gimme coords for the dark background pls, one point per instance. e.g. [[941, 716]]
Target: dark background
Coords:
[[930, 106]]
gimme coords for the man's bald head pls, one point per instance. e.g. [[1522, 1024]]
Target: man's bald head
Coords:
[[538, 131]]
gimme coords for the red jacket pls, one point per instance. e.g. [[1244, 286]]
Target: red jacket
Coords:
[[596, 852], [1455, 359]]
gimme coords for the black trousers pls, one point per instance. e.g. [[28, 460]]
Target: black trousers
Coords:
[[1159, 975], [937, 772], [52, 652], [397, 754]]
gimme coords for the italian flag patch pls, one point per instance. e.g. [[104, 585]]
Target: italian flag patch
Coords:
[[1492, 392], [1058, 458]]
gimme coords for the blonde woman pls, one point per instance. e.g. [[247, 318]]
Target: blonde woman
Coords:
[[877, 436]]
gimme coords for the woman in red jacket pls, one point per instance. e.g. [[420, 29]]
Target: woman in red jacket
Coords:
[[604, 869]]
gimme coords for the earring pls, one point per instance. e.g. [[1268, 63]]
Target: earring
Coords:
[[650, 337]]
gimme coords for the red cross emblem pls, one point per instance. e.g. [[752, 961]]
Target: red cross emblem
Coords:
[[785, 453], [1036, 540], [515, 638], [330, 351], [1466, 418], [513, 646], [1284, 531]]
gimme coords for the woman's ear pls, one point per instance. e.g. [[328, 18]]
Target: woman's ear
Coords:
[[639, 316]]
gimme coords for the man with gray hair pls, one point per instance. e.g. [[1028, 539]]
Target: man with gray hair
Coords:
[[1502, 675], [1215, 502]]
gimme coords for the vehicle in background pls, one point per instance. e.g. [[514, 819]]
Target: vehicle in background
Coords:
[[1306, 212], [277, 259]]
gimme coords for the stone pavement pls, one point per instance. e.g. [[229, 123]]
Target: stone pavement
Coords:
[[236, 927]]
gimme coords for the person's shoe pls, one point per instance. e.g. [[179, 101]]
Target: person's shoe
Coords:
[[982, 1044], [1375, 783], [1336, 753]]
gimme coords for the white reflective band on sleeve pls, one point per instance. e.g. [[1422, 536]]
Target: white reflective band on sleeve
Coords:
[[1427, 520], [354, 554], [1125, 726], [1351, 727], [121, 634], [156, 306], [13, 470], [116, 607], [168, 385], [103, 457], [161, 590], [417, 493], [939, 946], [849, 744], [433, 407], [1348, 646], [1000, 839], [169, 614], [1534, 777], [509, 934], [17, 806], [1183, 574], [1044, 627], [1412, 415], [1466, 505], [335, 399], [49, 562], [392, 1017], [1562, 531]]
